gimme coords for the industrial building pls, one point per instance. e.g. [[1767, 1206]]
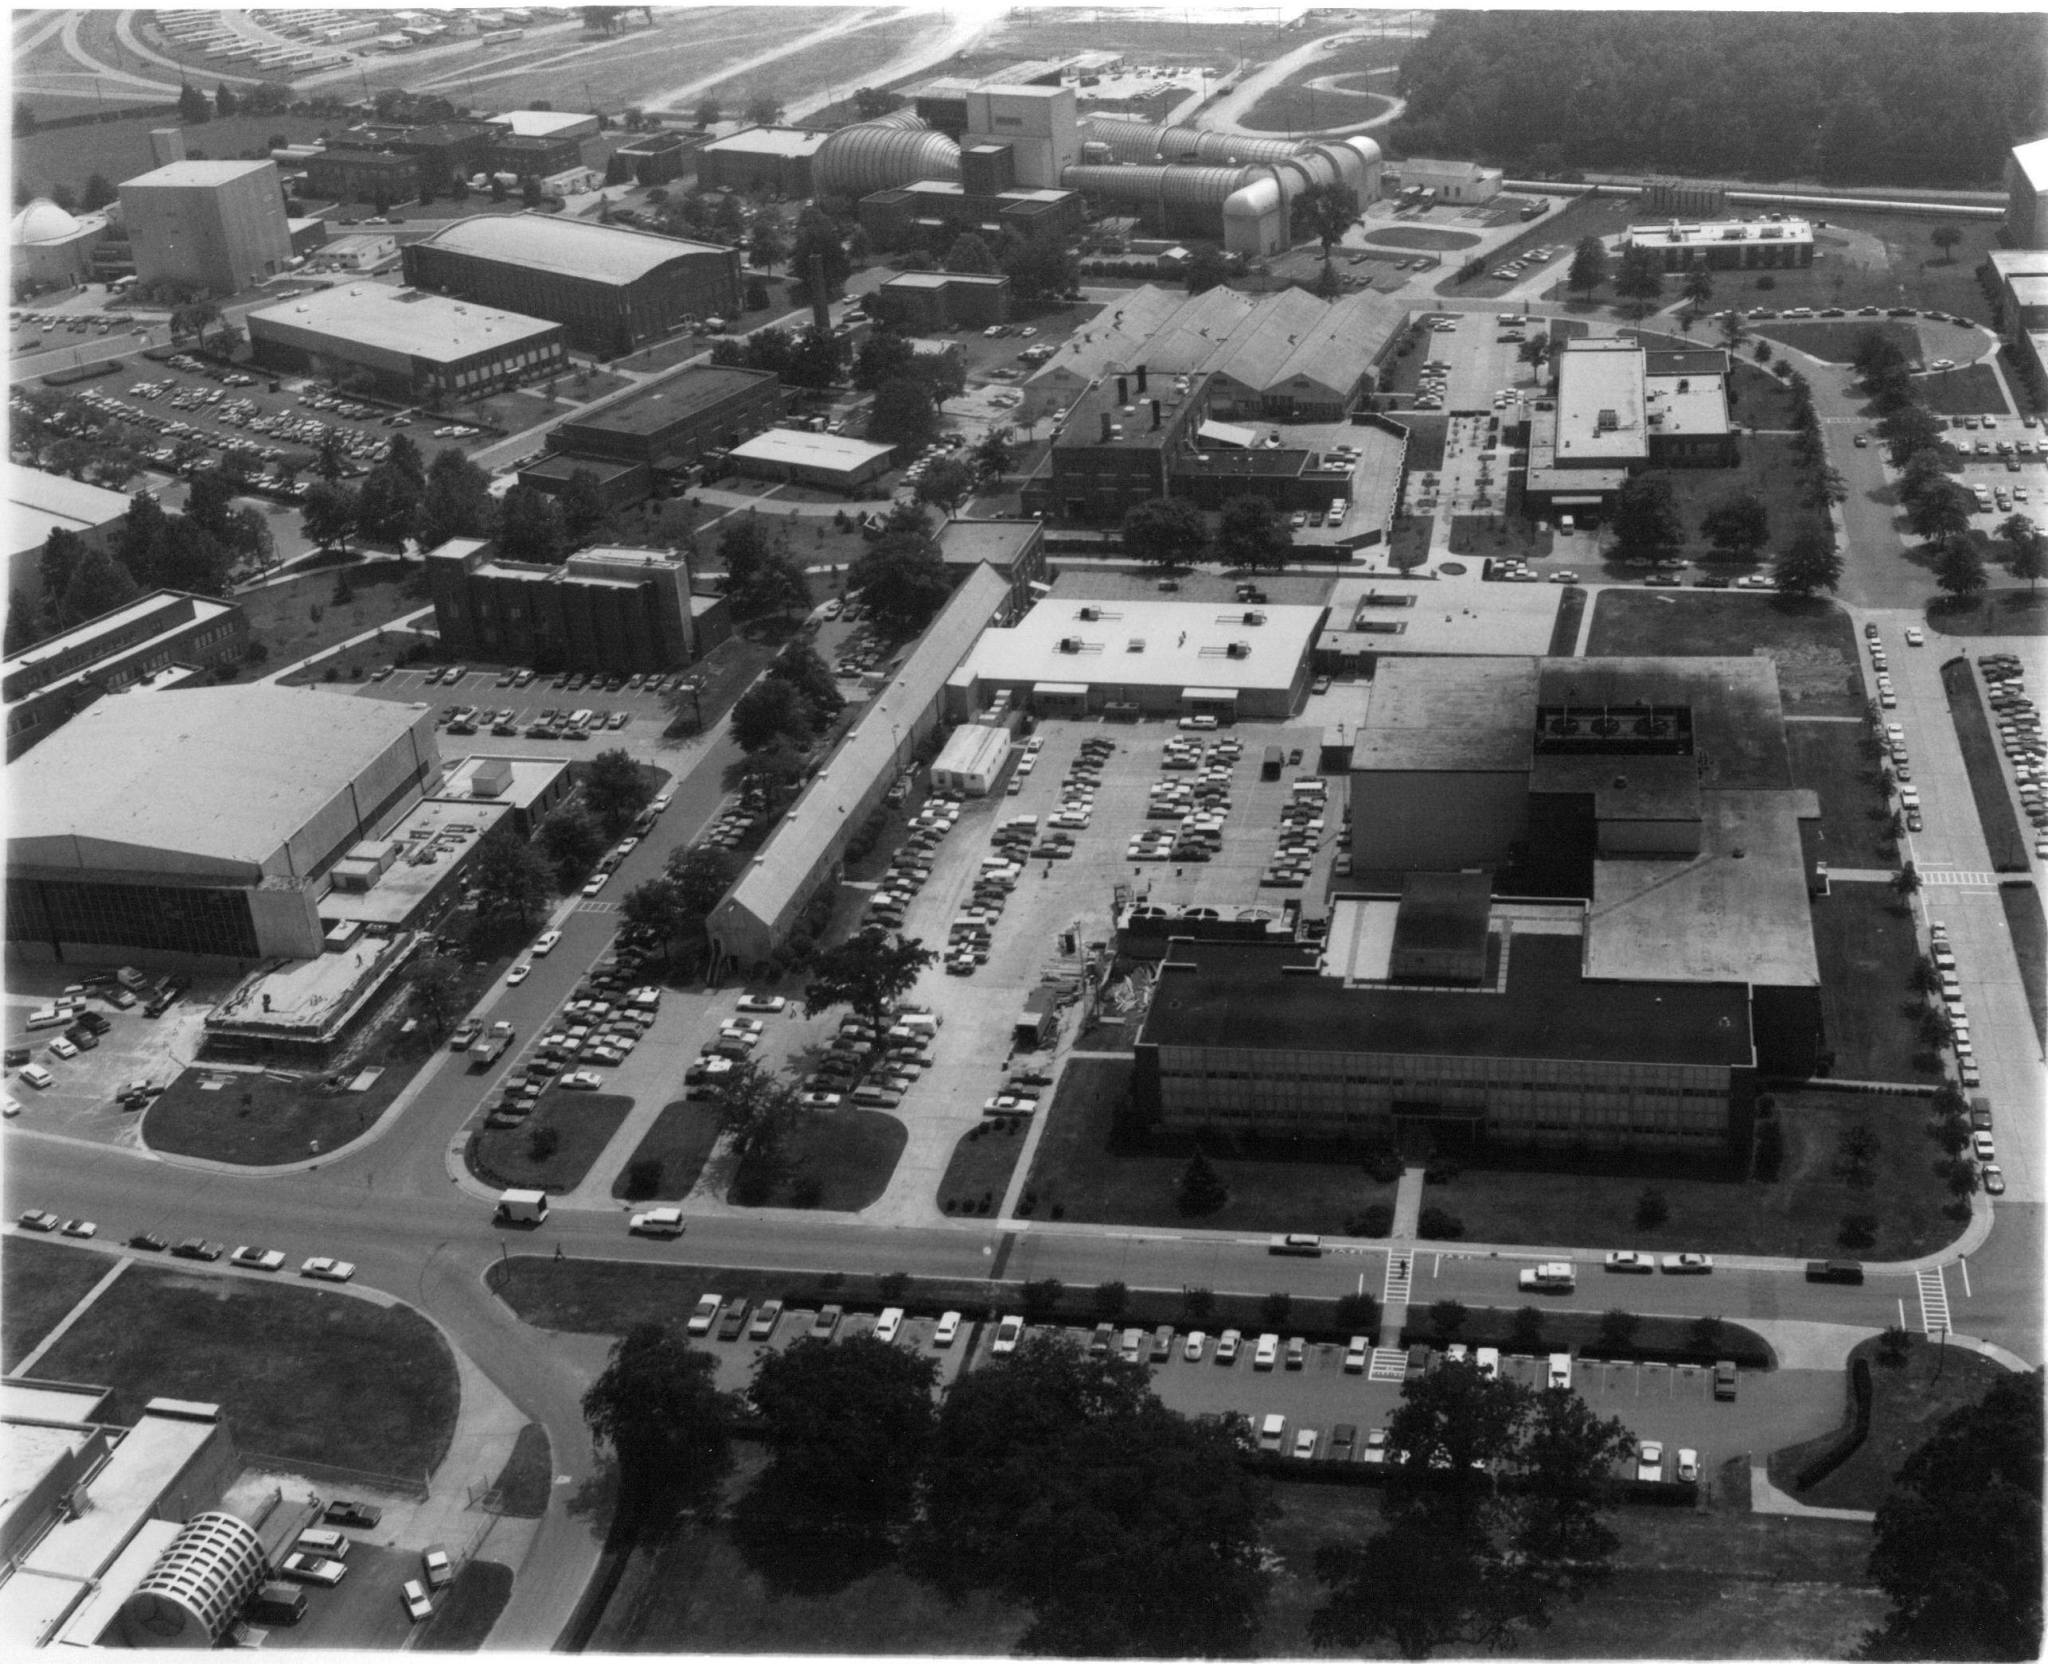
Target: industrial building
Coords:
[[2018, 281], [395, 161], [417, 347], [972, 759], [1577, 920], [526, 787], [217, 225], [611, 287], [1179, 181], [655, 158], [614, 610], [1776, 243], [804, 852], [40, 503], [2026, 195], [45, 685], [829, 461], [1071, 656], [667, 428], [1464, 183], [773, 159], [932, 212], [363, 251], [1014, 548], [47, 245], [158, 826], [920, 303], [1620, 408]]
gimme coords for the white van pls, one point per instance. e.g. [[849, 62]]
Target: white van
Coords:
[[1487, 1361], [523, 1207], [1560, 1370]]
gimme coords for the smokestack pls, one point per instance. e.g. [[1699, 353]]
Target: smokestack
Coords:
[[1123, 391], [1105, 427], [821, 313], [1141, 380], [1155, 414]]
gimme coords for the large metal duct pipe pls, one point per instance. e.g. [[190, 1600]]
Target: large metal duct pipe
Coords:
[[1130, 140], [896, 149], [1177, 201]]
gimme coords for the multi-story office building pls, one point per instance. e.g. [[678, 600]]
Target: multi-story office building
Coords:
[[218, 225], [775, 159], [615, 610], [1773, 243], [920, 303], [611, 287]]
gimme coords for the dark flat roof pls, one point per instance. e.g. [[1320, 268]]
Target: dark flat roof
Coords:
[[677, 400], [1737, 718], [1234, 994]]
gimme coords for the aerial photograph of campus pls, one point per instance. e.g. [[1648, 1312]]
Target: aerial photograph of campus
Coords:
[[1284, 894]]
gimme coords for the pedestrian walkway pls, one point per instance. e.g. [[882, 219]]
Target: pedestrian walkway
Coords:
[[1766, 1498], [1933, 1300], [1953, 879], [1408, 1205]]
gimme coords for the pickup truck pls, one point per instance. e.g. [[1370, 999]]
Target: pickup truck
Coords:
[[1552, 1277], [465, 1034]]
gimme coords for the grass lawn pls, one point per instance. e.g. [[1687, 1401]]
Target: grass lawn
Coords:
[[1294, 107], [1864, 939], [982, 1163], [584, 1123], [301, 616], [1421, 236], [331, 1378], [1483, 535], [1907, 1401], [1426, 435], [1834, 340], [680, 1140], [39, 1283], [696, 1593], [522, 1484], [1797, 1215], [1706, 1583], [1812, 642], [1767, 467], [1996, 815], [1081, 1173], [1855, 812], [847, 1154], [1999, 612], [1969, 391], [120, 149], [464, 1615], [2022, 904]]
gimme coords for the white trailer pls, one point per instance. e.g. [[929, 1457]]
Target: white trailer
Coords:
[[972, 760]]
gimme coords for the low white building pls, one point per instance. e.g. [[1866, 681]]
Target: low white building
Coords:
[[972, 760]]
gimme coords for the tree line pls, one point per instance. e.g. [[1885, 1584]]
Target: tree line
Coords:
[[1907, 99]]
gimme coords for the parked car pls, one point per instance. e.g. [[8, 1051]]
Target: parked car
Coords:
[[414, 1599], [362, 1515], [80, 1228], [1008, 1333], [1267, 1353], [1625, 1259], [1688, 1466], [948, 1329], [257, 1259], [1697, 1265], [314, 1568], [37, 1220], [327, 1271], [197, 1248]]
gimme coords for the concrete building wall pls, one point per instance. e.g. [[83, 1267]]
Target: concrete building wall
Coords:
[[220, 235], [1424, 820]]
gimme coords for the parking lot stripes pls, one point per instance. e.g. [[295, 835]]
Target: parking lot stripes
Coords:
[[1933, 1301], [1389, 1363], [598, 907]]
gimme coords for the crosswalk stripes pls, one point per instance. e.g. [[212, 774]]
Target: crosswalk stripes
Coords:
[[1933, 1301], [1400, 1265], [1952, 877], [1389, 1363], [598, 907]]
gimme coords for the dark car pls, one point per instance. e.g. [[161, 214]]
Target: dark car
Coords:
[[149, 1241], [734, 1323], [359, 1514], [197, 1248], [1712, 580], [1834, 1271]]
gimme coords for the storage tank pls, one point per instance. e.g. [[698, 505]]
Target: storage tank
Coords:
[[870, 156]]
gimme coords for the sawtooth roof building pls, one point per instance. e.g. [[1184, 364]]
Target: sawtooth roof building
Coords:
[[610, 286]]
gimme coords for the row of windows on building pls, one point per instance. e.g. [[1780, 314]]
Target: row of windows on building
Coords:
[[1644, 1120], [1437, 1080], [170, 917]]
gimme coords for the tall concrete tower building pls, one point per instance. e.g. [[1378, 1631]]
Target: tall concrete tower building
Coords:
[[217, 224]]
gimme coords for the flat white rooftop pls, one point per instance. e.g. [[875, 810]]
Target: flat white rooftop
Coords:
[[408, 321], [810, 450], [1600, 403], [154, 1452], [1175, 644]]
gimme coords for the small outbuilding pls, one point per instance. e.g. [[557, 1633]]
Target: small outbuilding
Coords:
[[972, 760], [827, 460]]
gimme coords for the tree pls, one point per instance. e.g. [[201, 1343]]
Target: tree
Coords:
[[1251, 533], [769, 711], [818, 238], [530, 528], [870, 102], [903, 415], [1909, 430], [668, 1426], [1945, 238], [582, 507], [1699, 288], [994, 451], [1207, 268], [1810, 563], [1325, 212], [457, 500], [763, 109], [2029, 549], [769, 245], [1640, 276], [1959, 572], [615, 790], [511, 876], [1165, 531], [328, 515], [192, 106], [1039, 268], [1646, 517], [903, 583], [947, 483], [97, 585], [775, 584], [529, 191], [1535, 351], [98, 193], [816, 358], [1062, 1483], [1200, 1191], [1706, 1334], [702, 874], [1493, 1503], [388, 504], [225, 103], [1738, 524], [1525, 1330], [1589, 265], [1940, 512], [846, 1424], [1618, 1330], [708, 112], [571, 838], [883, 356], [970, 254], [868, 973], [1907, 879], [62, 550], [434, 987], [757, 1110], [1957, 1539]]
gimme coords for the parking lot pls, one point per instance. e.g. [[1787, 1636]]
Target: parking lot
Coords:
[[2005, 465], [80, 1101]]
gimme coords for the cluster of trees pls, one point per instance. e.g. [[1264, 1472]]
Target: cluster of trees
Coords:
[[1938, 508], [790, 705], [761, 579], [675, 903], [1928, 99], [64, 435], [405, 497], [805, 358], [1168, 531], [900, 576], [516, 879], [1639, 277]]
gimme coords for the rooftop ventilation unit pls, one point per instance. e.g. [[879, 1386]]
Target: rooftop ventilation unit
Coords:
[[1608, 422], [1090, 614], [1238, 650], [1070, 644], [1254, 618]]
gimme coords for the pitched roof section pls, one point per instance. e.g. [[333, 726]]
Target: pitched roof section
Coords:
[[2032, 161], [572, 248]]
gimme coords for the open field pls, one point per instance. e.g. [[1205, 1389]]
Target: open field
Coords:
[[841, 1158], [681, 1140], [1999, 612], [335, 1379], [583, 1123], [118, 150], [2023, 917], [39, 1283], [1908, 1400], [1864, 938], [1830, 758], [1812, 642], [299, 616], [1767, 468], [1996, 816], [1969, 391], [1834, 340]]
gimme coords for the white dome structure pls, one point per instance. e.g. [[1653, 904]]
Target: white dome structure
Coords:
[[48, 243]]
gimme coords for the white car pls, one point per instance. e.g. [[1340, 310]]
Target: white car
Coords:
[[324, 1270], [1267, 1353], [1695, 1265], [1915, 639], [1375, 1446], [889, 1324], [767, 1003], [414, 1598], [743, 1025], [1650, 1460], [948, 1329], [60, 1047], [80, 1228], [1355, 1355], [597, 882], [544, 944], [628, 845], [257, 1259], [1624, 1259], [1688, 1465], [1305, 1443], [662, 802], [1191, 1349], [519, 973], [582, 1080], [822, 1100], [705, 1315], [1982, 1147], [1008, 1333]]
